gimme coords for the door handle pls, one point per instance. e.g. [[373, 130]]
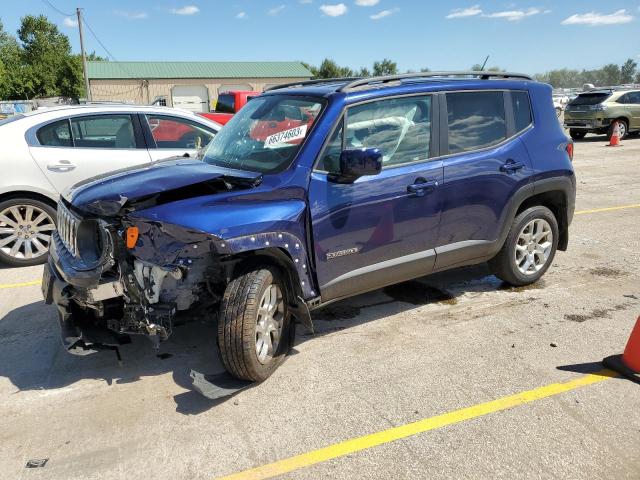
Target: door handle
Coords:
[[511, 166], [421, 187], [63, 166]]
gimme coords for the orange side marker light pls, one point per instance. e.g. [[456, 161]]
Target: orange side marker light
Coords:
[[132, 235]]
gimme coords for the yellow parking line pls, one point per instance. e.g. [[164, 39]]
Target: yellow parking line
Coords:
[[608, 209], [380, 438], [23, 284]]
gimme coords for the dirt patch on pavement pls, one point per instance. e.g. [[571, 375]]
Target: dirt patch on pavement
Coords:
[[597, 313], [417, 293], [607, 272]]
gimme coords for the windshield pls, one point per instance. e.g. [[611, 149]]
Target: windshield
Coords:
[[590, 98], [265, 135]]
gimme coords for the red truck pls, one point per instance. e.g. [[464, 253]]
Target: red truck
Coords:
[[228, 104]]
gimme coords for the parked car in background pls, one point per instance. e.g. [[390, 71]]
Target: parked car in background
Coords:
[[228, 104], [360, 184], [560, 101], [44, 152], [596, 111]]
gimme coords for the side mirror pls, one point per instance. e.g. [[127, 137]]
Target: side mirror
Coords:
[[358, 163]]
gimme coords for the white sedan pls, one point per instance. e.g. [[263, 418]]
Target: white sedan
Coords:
[[42, 153]]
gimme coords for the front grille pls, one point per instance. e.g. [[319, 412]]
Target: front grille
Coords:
[[68, 229]]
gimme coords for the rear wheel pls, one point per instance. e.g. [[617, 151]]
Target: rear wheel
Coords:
[[622, 126], [577, 134], [529, 248], [254, 325], [26, 227]]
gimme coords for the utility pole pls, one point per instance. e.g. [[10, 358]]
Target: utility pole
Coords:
[[84, 56]]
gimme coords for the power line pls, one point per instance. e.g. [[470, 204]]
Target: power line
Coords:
[[47, 2], [119, 65], [98, 40]]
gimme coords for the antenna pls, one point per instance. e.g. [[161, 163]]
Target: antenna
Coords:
[[484, 64]]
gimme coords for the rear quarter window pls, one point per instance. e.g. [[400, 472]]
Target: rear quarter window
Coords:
[[521, 110]]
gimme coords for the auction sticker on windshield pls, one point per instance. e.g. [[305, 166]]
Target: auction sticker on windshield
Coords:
[[281, 139]]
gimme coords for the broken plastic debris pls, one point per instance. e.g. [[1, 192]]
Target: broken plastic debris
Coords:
[[37, 462]]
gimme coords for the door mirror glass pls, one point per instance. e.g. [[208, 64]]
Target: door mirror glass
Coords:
[[358, 163]]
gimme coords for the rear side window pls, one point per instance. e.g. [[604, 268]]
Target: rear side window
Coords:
[[103, 131], [55, 134], [633, 97], [226, 103], [476, 120], [521, 110]]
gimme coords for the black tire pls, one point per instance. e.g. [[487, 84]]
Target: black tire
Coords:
[[625, 127], [577, 134], [503, 265], [21, 204], [237, 325]]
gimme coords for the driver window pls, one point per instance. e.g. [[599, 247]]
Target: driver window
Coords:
[[399, 127]]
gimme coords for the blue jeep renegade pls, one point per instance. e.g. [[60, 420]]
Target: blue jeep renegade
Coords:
[[312, 193]]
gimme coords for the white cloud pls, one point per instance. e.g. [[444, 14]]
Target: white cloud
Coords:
[[514, 15], [186, 10], [334, 10], [384, 13], [70, 22], [276, 10], [241, 15], [465, 12], [593, 18], [131, 15], [306, 2], [367, 3]]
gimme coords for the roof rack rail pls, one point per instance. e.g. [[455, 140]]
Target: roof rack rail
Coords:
[[318, 81], [483, 74]]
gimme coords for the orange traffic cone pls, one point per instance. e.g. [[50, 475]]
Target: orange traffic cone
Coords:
[[628, 364], [615, 136]]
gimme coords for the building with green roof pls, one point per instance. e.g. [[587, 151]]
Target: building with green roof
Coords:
[[191, 85]]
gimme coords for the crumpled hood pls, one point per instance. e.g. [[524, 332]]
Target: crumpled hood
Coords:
[[146, 185]]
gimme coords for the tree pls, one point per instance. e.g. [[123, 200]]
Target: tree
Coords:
[[385, 67], [330, 69], [627, 71], [364, 72], [39, 63], [610, 74]]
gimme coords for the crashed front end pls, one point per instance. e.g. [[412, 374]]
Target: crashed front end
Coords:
[[105, 291], [113, 273]]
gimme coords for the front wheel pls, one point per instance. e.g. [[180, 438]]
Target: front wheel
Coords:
[[254, 325], [26, 226], [529, 248]]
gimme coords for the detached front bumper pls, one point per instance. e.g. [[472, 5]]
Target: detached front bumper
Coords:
[[79, 333]]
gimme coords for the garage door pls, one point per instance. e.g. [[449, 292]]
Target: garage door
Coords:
[[190, 97]]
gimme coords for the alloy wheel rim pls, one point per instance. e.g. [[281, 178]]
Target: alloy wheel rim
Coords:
[[269, 323], [533, 246], [622, 129], [25, 232]]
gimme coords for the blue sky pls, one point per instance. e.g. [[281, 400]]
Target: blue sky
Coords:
[[530, 36]]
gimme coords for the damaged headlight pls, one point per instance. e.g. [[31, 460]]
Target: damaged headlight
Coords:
[[91, 242]]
